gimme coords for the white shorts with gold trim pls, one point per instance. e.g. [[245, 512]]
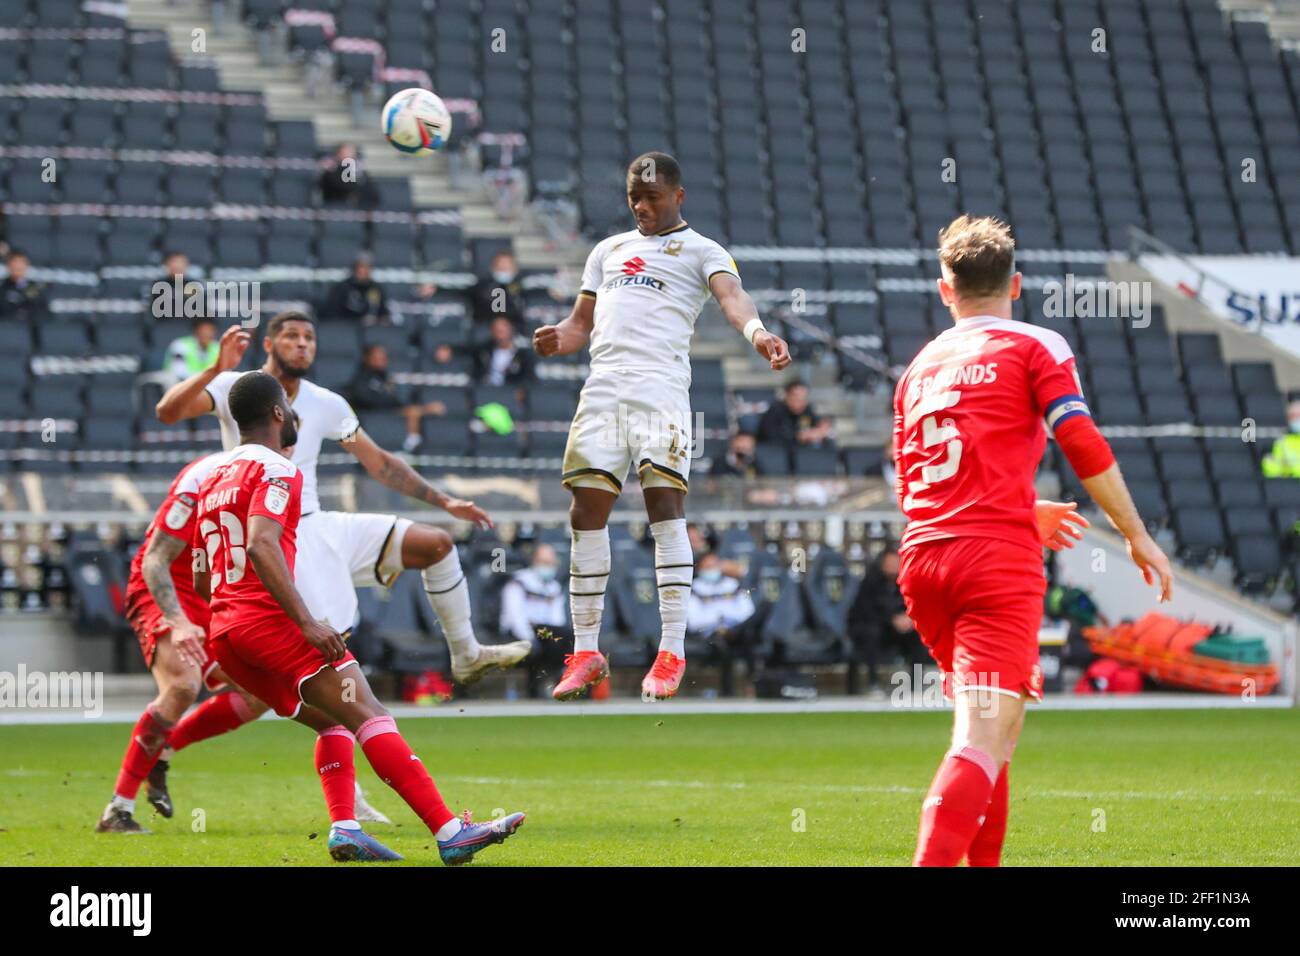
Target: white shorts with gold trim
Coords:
[[339, 552], [630, 418]]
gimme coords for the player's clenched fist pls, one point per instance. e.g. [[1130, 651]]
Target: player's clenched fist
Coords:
[[325, 639], [548, 340], [773, 348], [234, 343]]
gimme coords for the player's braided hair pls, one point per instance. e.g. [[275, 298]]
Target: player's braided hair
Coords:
[[253, 397], [980, 254]]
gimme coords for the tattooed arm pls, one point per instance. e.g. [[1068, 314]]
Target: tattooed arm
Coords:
[[156, 568], [392, 472]]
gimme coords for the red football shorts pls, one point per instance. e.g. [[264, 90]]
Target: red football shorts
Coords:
[[271, 660], [977, 604], [148, 624]]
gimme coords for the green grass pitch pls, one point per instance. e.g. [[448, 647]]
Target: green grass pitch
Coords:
[[1088, 788]]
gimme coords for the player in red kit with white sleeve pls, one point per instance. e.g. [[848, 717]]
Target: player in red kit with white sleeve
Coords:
[[969, 416], [261, 631]]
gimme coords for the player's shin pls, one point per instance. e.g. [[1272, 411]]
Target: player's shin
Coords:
[[147, 741], [986, 847], [397, 766], [448, 591], [674, 571], [954, 806], [338, 775], [589, 564]]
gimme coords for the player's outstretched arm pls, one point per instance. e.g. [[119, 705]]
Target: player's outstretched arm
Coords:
[[392, 472], [741, 312], [268, 561], [156, 568], [189, 399], [572, 334], [1111, 494]]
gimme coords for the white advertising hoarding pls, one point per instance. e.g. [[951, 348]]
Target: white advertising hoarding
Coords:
[[1259, 293]]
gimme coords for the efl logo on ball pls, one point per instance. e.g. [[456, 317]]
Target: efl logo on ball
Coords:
[[416, 121]]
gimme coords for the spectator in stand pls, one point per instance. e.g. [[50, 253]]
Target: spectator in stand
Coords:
[[371, 389], [195, 352], [739, 460], [499, 293], [719, 611], [22, 298], [358, 297], [792, 421], [878, 621], [166, 296], [535, 608], [344, 183], [1283, 459], [501, 361]]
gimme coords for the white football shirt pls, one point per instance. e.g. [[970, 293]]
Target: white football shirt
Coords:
[[649, 291], [322, 415]]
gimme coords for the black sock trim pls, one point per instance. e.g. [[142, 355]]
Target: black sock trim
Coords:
[[445, 590]]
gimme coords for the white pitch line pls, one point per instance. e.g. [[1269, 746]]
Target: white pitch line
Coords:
[[121, 713], [1046, 793]]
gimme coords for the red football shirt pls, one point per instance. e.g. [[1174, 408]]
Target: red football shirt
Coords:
[[251, 480], [968, 428], [175, 517]]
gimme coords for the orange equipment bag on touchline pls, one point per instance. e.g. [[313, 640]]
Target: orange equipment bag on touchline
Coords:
[[1163, 648]]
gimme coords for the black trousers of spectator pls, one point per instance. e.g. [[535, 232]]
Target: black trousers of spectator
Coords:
[[869, 639], [546, 662], [723, 648]]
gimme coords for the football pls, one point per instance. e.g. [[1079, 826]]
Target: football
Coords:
[[416, 121]]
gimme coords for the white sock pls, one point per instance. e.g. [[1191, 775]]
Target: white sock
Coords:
[[448, 829], [588, 576], [674, 571], [122, 803], [448, 591], [346, 824]]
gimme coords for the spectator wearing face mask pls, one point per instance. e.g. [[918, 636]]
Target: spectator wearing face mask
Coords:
[[358, 297], [739, 460], [719, 611], [499, 293], [534, 601]]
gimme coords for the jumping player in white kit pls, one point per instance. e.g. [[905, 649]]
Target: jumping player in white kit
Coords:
[[641, 293], [340, 551]]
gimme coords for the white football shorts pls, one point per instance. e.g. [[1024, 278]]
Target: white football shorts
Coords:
[[630, 418], [339, 552]]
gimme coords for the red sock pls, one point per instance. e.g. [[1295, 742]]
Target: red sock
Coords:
[[392, 759], [216, 715], [147, 741], [952, 810], [338, 773], [986, 848]]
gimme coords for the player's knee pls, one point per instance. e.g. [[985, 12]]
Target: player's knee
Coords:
[[425, 545], [182, 692]]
